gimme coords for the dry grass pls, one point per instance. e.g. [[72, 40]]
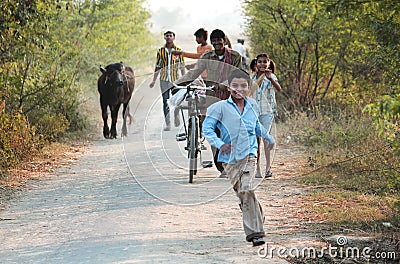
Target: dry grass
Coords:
[[50, 157], [341, 206]]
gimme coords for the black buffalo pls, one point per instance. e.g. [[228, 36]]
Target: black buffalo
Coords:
[[115, 85]]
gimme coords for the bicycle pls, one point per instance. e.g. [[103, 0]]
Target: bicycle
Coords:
[[196, 101]]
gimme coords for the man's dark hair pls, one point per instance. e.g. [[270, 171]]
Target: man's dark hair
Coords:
[[239, 73], [217, 33], [169, 32], [201, 32]]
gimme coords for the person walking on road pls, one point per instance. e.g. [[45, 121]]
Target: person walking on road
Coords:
[[237, 120], [264, 93], [218, 63], [168, 66]]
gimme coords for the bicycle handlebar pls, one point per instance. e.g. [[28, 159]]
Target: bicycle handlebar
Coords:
[[193, 87]]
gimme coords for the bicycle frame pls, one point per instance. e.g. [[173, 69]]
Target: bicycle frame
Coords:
[[192, 130]]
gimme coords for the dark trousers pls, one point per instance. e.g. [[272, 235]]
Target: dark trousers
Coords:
[[165, 85]]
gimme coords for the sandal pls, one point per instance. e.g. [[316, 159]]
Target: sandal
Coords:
[[268, 174], [258, 174]]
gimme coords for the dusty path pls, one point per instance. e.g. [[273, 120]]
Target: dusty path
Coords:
[[128, 201]]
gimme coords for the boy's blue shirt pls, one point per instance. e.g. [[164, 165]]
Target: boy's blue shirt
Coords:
[[239, 129]]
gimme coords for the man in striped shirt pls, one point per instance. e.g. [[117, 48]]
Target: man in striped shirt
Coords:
[[168, 66]]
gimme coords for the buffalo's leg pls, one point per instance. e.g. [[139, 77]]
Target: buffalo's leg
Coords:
[[104, 114], [114, 117], [125, 114]]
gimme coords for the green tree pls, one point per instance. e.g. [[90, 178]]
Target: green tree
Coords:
[[336, 51], [112, 31], [307, 43], [29, 76], [383, 21], [50, 51], [375, 69], [321, 47]]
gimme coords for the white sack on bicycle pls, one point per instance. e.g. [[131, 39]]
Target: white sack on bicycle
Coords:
[[176, 99]]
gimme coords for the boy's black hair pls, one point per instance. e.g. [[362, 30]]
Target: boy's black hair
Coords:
[[238, 73], [201, 32], [217, 33]]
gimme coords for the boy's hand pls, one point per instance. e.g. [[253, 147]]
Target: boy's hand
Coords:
[[226, 149], [152, 84]]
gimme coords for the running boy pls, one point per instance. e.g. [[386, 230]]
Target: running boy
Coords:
[[237, 120]]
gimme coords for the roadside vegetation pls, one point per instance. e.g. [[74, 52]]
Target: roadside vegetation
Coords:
[[50, 52], [339, 65], [338, 62]]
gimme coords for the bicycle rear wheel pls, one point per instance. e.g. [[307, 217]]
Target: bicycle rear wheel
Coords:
[[193, 144]]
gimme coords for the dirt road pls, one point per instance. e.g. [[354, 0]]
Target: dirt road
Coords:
[[128, 201]]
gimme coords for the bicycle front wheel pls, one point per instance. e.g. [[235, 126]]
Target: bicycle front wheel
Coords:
[[193, 145]]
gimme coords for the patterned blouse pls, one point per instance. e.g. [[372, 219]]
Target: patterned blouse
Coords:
[[265, 95]]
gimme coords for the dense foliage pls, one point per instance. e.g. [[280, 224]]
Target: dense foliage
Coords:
[[339, 62], [346, 50], [49, 56]]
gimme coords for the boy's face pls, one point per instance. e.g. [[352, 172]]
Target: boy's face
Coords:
[[169, 38], [199, 40], [239, 87]]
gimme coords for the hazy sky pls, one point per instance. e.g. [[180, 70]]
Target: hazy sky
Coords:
[[186, 16]]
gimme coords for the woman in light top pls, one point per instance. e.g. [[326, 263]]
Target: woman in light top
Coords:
[[263, 91]]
